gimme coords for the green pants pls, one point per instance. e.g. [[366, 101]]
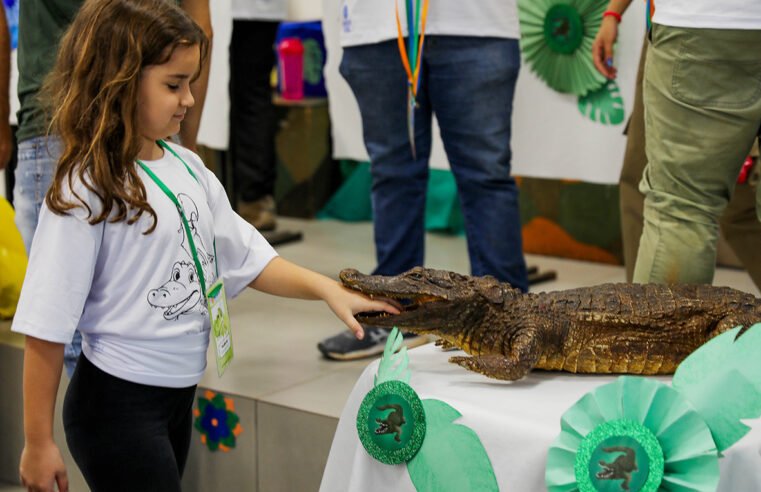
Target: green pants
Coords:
[[738, 224], [702, 94]]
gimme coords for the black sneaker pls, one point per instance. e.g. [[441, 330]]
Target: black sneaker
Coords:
[[345, 345]]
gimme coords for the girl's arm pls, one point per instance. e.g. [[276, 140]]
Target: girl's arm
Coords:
[[283, 278], [602, 48], [41, 463]]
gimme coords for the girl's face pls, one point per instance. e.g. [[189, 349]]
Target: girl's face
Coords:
[[164, 94]]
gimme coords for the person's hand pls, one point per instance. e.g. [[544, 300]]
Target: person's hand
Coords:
[[6, 144], [602, 47], [42, 467], [345, 303]]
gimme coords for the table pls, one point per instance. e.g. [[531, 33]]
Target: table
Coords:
[[516, 422]]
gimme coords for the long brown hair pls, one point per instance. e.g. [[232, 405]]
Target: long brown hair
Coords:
[[91, 96]]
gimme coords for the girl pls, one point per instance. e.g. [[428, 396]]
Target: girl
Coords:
[[132, 242]]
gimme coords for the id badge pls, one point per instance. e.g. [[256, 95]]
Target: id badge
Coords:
[[216, 300]]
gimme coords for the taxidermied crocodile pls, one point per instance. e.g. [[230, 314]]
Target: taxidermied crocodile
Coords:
[[609, 328]]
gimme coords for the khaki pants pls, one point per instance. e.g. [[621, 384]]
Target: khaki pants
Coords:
[[702, 91], [738, 223]]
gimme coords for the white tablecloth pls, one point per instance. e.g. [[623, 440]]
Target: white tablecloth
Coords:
[[516, 422]]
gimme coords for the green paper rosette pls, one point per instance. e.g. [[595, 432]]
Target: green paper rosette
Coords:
[[395, 426], [635, 434], [556, 41], [391, 422]]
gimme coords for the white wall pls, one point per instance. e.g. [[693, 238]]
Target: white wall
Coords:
[[304, 10], [213, 131]]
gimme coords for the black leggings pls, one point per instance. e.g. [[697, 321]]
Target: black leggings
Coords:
[[126, 436]]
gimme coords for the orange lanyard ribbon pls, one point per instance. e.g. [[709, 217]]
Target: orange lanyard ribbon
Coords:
[[412, 55]]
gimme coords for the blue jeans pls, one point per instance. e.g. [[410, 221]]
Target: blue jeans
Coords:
[[37, 159], [468, 82]]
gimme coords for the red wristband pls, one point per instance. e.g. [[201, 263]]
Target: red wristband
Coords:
[[610, 13]]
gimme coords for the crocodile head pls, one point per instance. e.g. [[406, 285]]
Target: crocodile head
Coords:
[[432, 301], [178, 295]]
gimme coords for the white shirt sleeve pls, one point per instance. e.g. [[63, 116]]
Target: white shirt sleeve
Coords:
[[58, 279], [242, 252]]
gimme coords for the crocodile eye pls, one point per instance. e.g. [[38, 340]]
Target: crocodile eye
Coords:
[[442, 282], [416, 276], [176, 275], [192, 277]]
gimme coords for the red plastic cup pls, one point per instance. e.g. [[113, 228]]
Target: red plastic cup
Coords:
[[291, 66]]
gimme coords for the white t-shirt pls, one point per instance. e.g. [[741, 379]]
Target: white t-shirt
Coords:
[[136, 298], [709, 14], [275, 10], [373, 21]]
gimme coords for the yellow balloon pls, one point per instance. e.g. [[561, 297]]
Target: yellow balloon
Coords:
[[12, 261]]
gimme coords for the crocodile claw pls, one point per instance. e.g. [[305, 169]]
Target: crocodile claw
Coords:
[[446, 346], [493, 366]]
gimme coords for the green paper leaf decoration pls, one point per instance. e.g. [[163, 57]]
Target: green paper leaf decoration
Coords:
[[722, 381], [452, 457], [691, 462], [604, 105], [556, 41], [393, 364]]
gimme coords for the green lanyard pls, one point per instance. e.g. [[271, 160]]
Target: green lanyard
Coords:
[[185, 223]]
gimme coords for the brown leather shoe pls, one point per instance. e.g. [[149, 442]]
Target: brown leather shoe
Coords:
[[259, 213]]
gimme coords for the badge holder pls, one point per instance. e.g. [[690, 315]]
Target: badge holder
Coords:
[[221, 330]]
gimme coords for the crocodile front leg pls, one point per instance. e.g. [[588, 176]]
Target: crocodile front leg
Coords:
[[524, 355], [746, 320]]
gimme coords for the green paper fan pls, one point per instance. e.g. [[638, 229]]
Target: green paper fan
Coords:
[[722, 381], [604, 105], [556, 40], [630, 408]]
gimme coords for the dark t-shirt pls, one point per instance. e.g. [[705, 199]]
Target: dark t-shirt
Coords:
[[41, 25]]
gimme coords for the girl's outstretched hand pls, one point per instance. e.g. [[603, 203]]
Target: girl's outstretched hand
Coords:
[[345, 303], [282, 278], [42, 468]]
